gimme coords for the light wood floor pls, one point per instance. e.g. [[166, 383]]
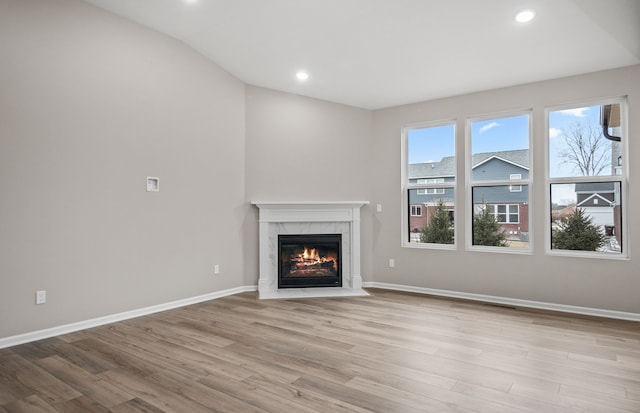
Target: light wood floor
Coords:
[[391, 352]]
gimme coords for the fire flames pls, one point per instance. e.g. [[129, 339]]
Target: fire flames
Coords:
[[310, 255], [311, 258]]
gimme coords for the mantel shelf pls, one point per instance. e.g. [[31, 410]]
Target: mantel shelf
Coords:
[[309, 204]]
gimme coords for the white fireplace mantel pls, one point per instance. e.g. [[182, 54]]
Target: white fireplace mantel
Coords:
[[310, 218]]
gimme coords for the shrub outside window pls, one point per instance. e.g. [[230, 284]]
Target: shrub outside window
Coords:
[[586, 178]]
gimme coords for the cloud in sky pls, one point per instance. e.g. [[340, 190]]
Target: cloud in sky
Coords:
[[577, 112], [554, 132], [489, 126]]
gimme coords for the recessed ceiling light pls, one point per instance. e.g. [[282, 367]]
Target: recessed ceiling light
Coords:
[[525, 16], [190, 1], [302, 75]]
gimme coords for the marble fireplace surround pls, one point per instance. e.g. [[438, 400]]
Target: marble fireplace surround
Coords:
[[293, 218]]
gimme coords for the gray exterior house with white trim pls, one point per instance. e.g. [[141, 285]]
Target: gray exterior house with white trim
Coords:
[[513, 200]]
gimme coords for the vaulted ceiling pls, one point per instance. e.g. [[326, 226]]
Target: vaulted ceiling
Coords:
[[381, 53]]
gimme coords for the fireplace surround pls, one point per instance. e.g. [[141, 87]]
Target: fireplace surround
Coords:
[[309, 218]]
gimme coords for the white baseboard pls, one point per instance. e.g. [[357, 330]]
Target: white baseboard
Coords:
[[95, 322], [508, 301]]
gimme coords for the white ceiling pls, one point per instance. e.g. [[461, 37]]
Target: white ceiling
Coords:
[[381, 53]]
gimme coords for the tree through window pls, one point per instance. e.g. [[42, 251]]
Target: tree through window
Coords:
[[586, 152]]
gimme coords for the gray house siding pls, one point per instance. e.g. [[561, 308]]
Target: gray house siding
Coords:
[[497, 169], [593, 187], [499, 195]]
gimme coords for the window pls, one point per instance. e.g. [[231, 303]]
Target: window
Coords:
[[515, 188], [505, 214], [429, 179], [430, 191], [498, 174], [586, 179]]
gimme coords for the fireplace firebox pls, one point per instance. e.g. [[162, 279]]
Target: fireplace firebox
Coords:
[[309, 260]]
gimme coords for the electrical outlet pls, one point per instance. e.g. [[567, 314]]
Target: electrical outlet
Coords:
[[379, 207], [41, 297], [392, 263], [216, 269]]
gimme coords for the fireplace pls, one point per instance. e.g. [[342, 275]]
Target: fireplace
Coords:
[[324, 219], [309, 260]]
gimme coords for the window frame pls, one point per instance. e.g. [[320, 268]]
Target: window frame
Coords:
[[436, 186], [416, 207], [470, 184], [622, 178]]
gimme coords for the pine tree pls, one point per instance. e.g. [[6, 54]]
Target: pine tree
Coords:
[[440, 231], [486, 230], [577, 232]]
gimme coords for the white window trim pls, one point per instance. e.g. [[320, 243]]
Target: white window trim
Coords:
[[623, 178], [416, 207], [470, 184], [515, 188], [507, 213], [406, 186]]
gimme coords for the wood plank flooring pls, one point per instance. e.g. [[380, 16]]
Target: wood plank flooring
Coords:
[[391, 352]]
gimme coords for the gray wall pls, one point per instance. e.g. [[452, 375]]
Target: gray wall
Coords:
[[597, 283], [302, 149], [90, 105]]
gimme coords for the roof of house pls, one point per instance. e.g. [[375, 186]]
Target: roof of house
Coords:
[[589, 187], [446, 166]]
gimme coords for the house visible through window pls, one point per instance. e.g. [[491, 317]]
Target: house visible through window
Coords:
[[586, 178], [586, 182], [429, 183], [499, 173]]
